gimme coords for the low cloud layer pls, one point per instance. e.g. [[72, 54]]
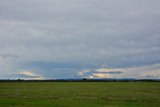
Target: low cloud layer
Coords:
[[29, 75], [141, 72], [88, 33]]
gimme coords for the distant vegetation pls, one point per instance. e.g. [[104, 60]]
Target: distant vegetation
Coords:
[[84, 80], [22, 93]]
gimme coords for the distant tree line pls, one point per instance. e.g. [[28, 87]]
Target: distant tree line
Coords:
[[83, 80]]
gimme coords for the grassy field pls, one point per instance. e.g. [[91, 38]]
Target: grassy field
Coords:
[[79, 94]]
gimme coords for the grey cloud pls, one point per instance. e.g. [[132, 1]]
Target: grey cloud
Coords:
[[93, 73], [113, 33], [9, 56], [114, 72], [152, 76]]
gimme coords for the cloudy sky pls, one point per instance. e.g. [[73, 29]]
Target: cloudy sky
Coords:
[[50, 39]]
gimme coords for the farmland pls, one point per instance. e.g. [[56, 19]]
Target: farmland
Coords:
[[79, 94]]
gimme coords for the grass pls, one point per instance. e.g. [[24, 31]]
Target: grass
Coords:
[[79, 94]]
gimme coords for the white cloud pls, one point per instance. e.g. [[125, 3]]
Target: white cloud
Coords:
[[108, 70], [99, 75], [30, 75], [84, 71]]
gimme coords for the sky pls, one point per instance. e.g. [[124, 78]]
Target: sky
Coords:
[[60, 39]]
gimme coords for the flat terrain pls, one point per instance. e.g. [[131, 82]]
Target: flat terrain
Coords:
[[79, 94]]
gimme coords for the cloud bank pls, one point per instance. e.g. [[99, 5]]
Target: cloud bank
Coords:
[[142, 72], [46, 35]]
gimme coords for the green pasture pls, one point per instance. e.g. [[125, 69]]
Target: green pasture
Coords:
[[79, 94]]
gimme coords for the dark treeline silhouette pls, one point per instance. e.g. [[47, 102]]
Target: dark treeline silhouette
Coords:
[[82, 80]]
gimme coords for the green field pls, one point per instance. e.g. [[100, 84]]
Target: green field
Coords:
[[79, 94]]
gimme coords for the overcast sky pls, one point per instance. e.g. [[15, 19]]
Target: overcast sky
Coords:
[[44, 39]]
